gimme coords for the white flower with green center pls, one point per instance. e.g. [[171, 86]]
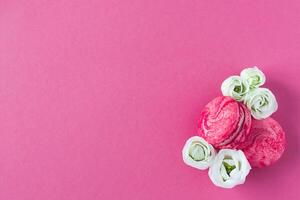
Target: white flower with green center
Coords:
[[254, 77], [229, 168], [261, 102], [235, 87], [198, 153]]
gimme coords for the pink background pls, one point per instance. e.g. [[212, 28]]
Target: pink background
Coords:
[[98, 97]]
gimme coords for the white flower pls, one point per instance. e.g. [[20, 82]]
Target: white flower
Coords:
[[229, 168], [235, 87], [254, 77], [198, 153], [261, 102]]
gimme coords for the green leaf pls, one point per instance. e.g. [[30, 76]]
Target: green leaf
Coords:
[[228, 167]]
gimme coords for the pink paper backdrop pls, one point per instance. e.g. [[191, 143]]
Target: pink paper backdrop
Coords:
[[97, 97]]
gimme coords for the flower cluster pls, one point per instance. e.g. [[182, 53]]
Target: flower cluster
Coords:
[[246, 88], [227, 168], [242, 141]]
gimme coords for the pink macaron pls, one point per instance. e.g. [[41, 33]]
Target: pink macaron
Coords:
[[265, 143], [225, 123]]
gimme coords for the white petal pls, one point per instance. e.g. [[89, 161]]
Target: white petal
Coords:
[[261, 102], [254, 76], [237, 176], [234, 87], [208, 153]]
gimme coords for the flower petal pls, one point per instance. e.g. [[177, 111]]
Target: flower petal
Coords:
[[239, 164], [198, 153]]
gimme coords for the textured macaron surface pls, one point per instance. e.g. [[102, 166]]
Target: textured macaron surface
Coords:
[[265, 143], [238, 137], [224, 122]]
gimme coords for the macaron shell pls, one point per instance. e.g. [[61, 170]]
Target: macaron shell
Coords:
[[265, 142], [218, 120], [237, 141]]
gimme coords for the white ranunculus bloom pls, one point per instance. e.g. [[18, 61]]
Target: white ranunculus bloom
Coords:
[[254, 76], [229, 168], [198, 153], [235, 87], [261, 102]]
